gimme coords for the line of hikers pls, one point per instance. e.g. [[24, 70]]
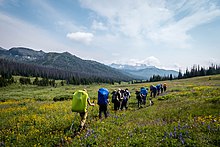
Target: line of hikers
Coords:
[[120, 99]]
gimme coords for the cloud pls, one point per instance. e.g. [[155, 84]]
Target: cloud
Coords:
[[212, 61], [98, 26], [81, 37], [150, 61], [160, 21]]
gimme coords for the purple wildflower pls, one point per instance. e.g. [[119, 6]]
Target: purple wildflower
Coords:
[[175, 134], [182, 141], [209, 127], [171, 134], [181, 138], [179, 127]]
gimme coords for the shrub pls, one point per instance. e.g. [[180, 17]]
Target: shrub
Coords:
[[62, 98]]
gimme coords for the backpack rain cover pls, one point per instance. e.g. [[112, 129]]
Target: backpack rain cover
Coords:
[[103, 96], [79, 101], [143, 91]]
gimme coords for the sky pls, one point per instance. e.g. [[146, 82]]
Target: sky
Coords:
[[169, 34]]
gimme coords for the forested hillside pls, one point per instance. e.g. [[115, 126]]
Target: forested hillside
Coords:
[[27, 62]]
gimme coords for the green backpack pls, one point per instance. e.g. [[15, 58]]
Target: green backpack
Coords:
[[79, 101]]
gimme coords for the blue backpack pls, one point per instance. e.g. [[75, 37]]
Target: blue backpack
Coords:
[[103, 96], [158, 87], [143, 91]]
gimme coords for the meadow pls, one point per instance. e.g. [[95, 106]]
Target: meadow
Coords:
[[188, 114]]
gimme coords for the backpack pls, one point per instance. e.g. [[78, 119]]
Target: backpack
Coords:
[[158, 87], [114, 97], [79, 101], [103, 96], [143, 91], [127, 93], [138, 95]]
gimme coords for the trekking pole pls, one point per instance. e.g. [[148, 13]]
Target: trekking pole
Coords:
[[73, 121]]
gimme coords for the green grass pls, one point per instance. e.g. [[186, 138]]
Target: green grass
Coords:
[[188, 114]]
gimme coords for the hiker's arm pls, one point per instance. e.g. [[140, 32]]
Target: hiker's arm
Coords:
[[91, 104]]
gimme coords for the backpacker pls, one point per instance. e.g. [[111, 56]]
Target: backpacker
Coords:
[[143, 91], [79, 101], [103, 96], [114, 96]]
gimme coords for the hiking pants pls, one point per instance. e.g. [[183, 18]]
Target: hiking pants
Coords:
[[116, 105], [103, 108], [139, 103], [165, 88], [144, 99], [153, 93], [83, 116], [124, 104]]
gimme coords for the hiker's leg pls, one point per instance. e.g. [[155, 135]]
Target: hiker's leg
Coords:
[[100, 111], [144, 100], [126, 104], [115, 106], [122, 105], [155, 94], [139, 103], [118, 105], [105, 110], [83, 120]]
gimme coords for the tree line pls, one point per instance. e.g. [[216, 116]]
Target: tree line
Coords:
[[9, 68], [195, 71]]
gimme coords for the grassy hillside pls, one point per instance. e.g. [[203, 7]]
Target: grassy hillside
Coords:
[[187, 114]]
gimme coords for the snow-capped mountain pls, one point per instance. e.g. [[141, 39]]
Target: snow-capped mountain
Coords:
[[143, 71]]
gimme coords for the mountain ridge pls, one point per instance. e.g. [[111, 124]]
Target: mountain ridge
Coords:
[[143, 71], [64, 61]]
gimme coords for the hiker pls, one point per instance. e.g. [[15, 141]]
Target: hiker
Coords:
[[143, 94], [158, 89], [115, 100], [139, 98], [126, 96], [161, 88], [79, 104], [103, 101], [164, 87], [120, 95], [153, 91]]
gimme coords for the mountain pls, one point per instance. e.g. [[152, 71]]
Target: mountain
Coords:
[[142, 71], [62, 61]]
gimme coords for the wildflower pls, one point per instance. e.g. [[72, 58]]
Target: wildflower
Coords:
[[179, 127], [181, 138], [175, 134], [88, 133], [171, 134], [187, 134], [180, 135], [182, 141], [165, 134], [209, 127]]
